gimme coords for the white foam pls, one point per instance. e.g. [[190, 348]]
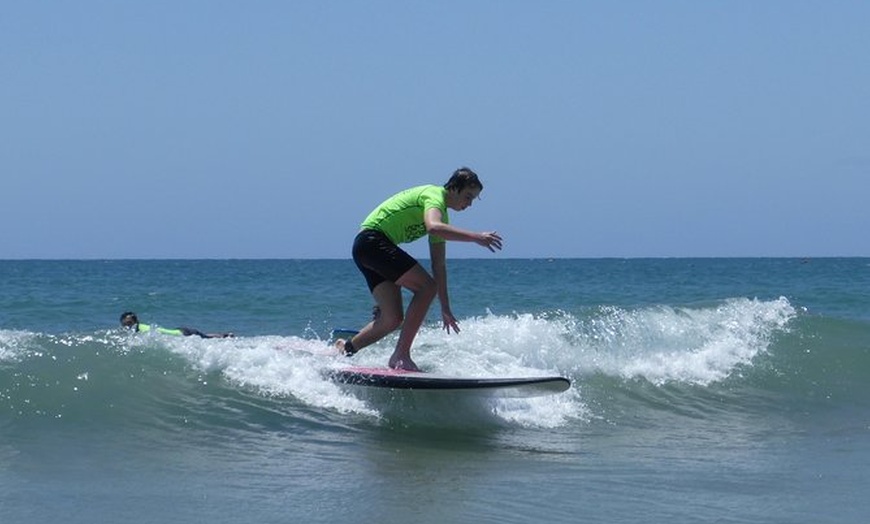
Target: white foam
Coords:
[[659, 344], [274, 366], [15, 344], [698, 346], [296, 367]]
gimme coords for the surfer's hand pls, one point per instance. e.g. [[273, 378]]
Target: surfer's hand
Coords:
[[490, 240], [450, 321]]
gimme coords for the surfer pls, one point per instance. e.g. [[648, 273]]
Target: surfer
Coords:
[[403, 218], [130, 321]]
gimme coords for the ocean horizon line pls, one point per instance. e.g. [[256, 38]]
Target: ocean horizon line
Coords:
[[543, 258]]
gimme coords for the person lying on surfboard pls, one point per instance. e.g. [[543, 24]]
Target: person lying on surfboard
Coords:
[[403, 218], [130, 321]]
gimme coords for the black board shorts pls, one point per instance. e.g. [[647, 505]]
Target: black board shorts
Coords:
[[378, 259]]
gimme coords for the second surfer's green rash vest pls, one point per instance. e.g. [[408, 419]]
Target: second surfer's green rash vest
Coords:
[[400, 217], [144, 328]]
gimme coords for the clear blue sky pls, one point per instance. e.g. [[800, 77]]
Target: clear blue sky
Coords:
[[252, 129]]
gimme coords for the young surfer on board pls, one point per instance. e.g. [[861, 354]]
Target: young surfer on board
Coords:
[[403, 218], [130, 321]]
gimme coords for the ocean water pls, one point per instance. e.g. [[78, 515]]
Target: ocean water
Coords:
[[703, 390]]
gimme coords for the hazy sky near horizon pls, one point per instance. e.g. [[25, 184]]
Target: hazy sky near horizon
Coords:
[[269, 129]]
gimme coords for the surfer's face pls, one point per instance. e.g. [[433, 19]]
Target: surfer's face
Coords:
[[460, 200]]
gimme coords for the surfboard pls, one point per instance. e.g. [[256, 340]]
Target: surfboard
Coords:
[[345, 333], [379, 377]]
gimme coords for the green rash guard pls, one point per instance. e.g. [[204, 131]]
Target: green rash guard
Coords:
[[145, 328], [400, 217]]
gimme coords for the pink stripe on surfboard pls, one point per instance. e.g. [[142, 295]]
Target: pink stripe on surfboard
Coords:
[[380, 371]]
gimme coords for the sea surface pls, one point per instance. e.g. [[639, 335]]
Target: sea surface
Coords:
[[703, 390]]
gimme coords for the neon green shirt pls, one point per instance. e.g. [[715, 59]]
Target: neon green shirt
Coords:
[[145, 328], [400, 217]]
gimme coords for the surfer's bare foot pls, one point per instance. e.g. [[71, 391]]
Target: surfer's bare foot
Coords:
[[403, 363], [339, 345]]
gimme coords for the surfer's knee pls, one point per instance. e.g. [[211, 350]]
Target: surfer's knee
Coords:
[[419, 282], [427, 290], [390, 321]]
